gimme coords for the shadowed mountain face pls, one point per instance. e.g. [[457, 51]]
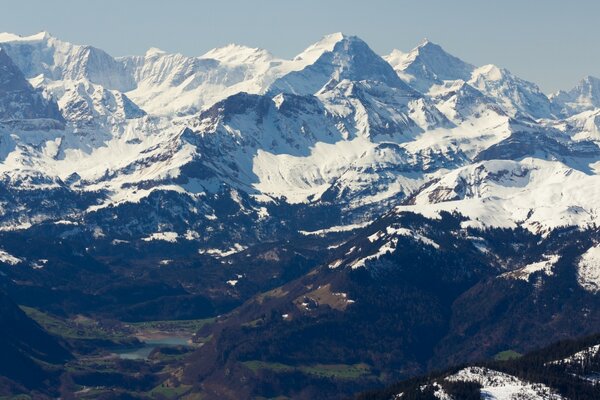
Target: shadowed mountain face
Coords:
[[341, 219], [18, 99], [27, 350]]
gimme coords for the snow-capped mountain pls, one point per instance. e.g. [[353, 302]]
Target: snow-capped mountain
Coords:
[[54, 59], [427, 65], [513, 94], [431, 70], [177, 84], [583, 97], [336, 126]]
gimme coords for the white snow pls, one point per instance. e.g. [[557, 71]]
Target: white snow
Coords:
[[337, 228], [388, 247], [500, 386], [367, 141], [164, 236], [8, 258], [536, 194], [545, 266], [580, 357], [588, 269], [236, 248]]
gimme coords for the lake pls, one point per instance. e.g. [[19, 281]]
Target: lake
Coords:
[[142, 352]]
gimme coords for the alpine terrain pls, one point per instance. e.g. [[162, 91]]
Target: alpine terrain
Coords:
[[237, 226]]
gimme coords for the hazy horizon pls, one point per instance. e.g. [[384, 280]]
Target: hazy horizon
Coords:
[[541, 41]]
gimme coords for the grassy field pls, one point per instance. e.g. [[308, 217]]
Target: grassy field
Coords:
[[192, 325], [167, 392], [87, 328], [334, 371], [507, 355], [277, 367], [337, 371], [79, 328]]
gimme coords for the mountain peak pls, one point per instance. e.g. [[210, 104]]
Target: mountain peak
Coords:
[[516, 95], [490, 71], [335, 36], [427, 46], [428, 64], [12, 37], [591, 78], [154, 51], [584, 96], [424, 42], [337, 56], [42, 35], [237, 54], [327, 43]]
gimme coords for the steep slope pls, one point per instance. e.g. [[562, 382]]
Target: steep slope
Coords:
[[583, 97], [583, 126], [197, 82], [513, 94], [18, 99], [86, 82], [337, 57], [427, 65], [86, 104], [43, 54], [25, 347], [433, 71]]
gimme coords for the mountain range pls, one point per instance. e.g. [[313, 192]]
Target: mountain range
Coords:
[[399, 213]]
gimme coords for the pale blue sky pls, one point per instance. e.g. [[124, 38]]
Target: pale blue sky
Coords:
[[553, 43]]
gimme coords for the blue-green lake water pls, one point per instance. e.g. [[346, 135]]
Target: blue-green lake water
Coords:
[[142, 352]]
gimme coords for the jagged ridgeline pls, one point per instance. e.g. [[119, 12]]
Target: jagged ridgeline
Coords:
[[325, 224]]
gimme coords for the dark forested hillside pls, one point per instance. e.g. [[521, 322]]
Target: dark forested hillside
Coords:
[[30, 357], [569, 369]]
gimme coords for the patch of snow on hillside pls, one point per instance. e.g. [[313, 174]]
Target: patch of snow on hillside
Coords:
[[236, 248], [580, 357], [384, 249], [7, 258], [500, 386], [165, 236], [544, 266], [588, 269], [337, 228]]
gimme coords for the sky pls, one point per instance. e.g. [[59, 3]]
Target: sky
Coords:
[[550, 42]]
